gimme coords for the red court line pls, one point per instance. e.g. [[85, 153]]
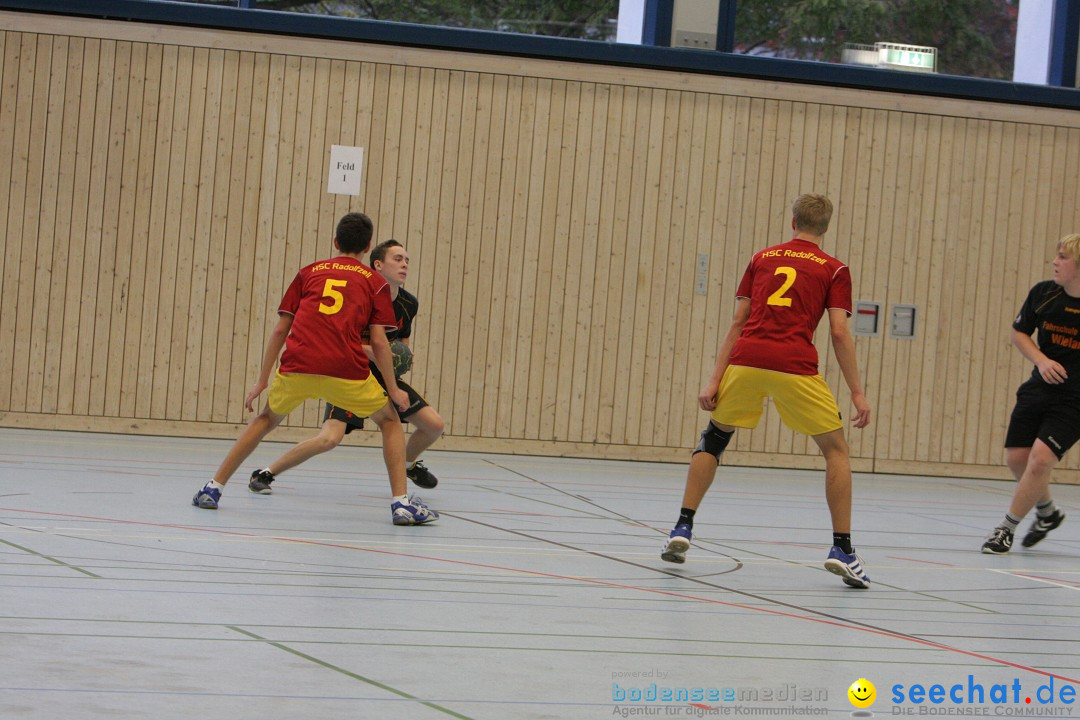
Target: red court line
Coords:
[[1043, 577], [604, 583]]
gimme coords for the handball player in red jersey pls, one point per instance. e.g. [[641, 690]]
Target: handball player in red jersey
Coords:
[[769, 352]]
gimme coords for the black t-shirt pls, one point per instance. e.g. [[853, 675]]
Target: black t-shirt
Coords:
[[405, 308], [1057, 318]]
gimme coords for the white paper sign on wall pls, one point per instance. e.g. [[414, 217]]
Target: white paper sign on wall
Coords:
[[346, 170]]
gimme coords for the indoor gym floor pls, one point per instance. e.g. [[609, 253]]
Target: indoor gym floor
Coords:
[[539, 594]]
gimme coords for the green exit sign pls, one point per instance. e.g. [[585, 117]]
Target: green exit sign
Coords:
[[910, 58]]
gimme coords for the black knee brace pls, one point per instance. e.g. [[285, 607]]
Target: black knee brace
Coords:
[[713, 441]]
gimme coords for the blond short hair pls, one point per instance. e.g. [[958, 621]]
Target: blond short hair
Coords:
[[1070, 245], [812, 213]]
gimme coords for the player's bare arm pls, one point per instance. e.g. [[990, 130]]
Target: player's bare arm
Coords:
[[844, 346], [1051, 371], [707, 397], [380, 349], [270, 356]]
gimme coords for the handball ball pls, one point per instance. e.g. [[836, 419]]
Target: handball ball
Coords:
[[402, 357]]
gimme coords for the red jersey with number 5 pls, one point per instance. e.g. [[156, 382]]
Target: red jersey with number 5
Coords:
[[790, 286], [333, 302]]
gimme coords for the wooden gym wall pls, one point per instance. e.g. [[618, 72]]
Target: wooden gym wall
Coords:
[[160, 186]]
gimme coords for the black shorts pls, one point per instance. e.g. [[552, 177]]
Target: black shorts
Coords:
[[416, 402], [1043, 411]]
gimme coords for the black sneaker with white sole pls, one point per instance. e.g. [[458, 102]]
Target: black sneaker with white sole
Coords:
[[999, 542], [421, 476], [260, 482], [1041, 527]]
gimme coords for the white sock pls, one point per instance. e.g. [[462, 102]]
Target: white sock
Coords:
[[216, 485], [1046, 509], [403, 499]]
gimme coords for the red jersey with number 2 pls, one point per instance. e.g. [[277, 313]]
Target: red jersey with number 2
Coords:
[[333, 302], [790, 287]]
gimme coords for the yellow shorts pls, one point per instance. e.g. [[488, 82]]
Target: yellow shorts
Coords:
[[805, 403], [361, 397]]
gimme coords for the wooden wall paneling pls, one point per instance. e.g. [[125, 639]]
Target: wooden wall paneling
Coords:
[[210, 192], [98, 217], [677, 269], [537, 102], [480, 263], [933, 190], [189, 274], [579, 280], [908, 240], [712, 316], [897, 172], [255, 255], [227, 162], [242, 228], [347, 134], [393, 196], [950, 232], [970, 382], [685, 354], [312, 158], [10, 56], [622, 120], [88, 285], [1070, 204], [513, 232], [372, 133], [543, 213], [647, 331], [136, 213], [855, 138], [537, 389], [996, 347], [924, 195], [150, 400], [502, 295], [633, 329], [879, 202], [26, 194], [557, 363], [460, 287], [604, 317], [429, 241], [979, 313], [1046, 231], [174, 233], [286, 243], [54, 215], [418, 174], [450, 256], [449, 95], [334, 100]]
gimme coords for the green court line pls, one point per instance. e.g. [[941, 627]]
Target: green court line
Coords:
[[50, 559], [353, 675]]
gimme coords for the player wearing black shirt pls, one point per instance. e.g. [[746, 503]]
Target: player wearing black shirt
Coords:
[[1046, 420]]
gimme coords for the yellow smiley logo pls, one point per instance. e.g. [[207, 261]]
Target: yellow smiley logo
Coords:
[[862, 693]]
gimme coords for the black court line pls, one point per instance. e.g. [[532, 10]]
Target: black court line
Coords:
[[347, 673]]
